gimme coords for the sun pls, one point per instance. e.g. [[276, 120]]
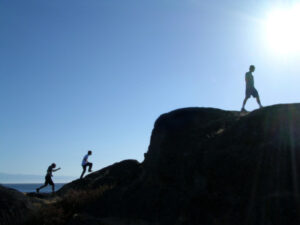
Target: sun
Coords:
[[283, 30]]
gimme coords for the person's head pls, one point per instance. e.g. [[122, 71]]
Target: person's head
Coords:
[[89, 152], [53, 165], [252, 68]]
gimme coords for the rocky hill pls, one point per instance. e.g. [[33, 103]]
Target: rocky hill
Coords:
[[204, 166]]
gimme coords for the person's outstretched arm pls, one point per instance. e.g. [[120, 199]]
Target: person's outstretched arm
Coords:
[[56, 169]]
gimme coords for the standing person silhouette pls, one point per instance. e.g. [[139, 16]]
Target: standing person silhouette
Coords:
[[250, 89], [48, 179], [85, 163]]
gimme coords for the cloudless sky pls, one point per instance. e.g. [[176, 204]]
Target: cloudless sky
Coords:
[[95, 74]]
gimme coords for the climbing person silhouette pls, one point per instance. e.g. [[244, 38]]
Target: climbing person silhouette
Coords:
[[85, 163], [250, 89], [48, 179]]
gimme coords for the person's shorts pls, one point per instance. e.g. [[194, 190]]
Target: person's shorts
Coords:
[[48, 180], [251, 91]]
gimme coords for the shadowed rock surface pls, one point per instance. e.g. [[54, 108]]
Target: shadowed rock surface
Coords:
[[14, 206], [122, 173], [204, 166]]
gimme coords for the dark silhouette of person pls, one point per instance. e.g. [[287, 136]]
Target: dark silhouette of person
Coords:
[[250, 89], [85, 163], [48, 179]]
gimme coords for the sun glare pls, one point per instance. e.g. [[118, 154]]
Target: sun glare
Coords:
[[283, 30]]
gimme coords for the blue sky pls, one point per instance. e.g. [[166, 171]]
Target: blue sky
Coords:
[[95, 74]]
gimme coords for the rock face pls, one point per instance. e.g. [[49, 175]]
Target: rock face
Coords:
[[122, 173], [14, 206], [231, 170], [208, 166]]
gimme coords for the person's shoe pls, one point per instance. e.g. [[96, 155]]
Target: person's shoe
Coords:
[[243, 110], [90, 171], [37, 190]]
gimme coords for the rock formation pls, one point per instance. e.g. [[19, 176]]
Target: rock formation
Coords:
[[204, 166], [209, 166]]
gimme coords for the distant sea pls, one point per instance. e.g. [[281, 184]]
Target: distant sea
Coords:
[[33, 187]]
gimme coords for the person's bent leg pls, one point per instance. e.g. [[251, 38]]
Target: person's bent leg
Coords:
[[90, 166], [50, 181]]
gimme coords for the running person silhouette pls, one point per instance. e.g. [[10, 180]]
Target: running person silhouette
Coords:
[[85, 163], [250, 89], [48, 179]]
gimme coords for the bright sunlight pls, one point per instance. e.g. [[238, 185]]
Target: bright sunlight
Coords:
[[283, 30]]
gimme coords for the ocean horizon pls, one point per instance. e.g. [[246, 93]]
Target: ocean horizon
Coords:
[[31, 187]]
